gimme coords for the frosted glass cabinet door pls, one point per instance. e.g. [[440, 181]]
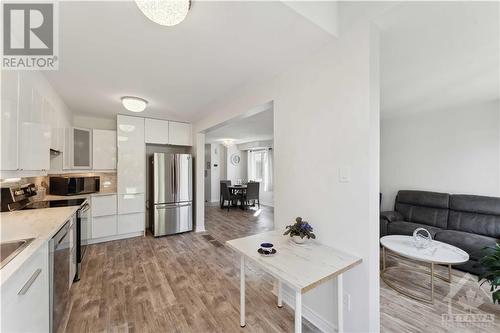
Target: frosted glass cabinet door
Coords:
[[9, 135], [82, 148], [131, 166]]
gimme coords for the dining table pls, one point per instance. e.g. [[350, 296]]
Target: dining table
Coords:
[[238, 189]]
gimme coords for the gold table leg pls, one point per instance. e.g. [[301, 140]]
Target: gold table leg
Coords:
[[406, 292]]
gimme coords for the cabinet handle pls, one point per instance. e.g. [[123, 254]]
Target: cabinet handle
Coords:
[[28, 284]]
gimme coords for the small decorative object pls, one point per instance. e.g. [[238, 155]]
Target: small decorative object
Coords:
[[491, 263], [422, 238], [300, 230], [266, 253], [235, 159], [267, 247]]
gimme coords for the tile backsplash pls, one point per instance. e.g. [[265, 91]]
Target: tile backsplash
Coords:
[[107, 181]]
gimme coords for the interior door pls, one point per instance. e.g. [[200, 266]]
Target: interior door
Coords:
[[163, 181]]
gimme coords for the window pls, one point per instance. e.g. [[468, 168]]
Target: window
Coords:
[[260, 168]]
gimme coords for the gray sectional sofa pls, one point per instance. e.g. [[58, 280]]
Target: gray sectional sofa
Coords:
[[469, 222]]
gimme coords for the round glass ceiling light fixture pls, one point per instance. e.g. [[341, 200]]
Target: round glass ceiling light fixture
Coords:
[[165, 12], [134, 104]]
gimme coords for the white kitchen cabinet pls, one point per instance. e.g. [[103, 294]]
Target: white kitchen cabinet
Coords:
[[103, 149], [25, 296], [34, 153], [131, 203], [156, 131], [104, 226], [9, 109], [131, 166], [179, 134], [129, 223], [103, 205]]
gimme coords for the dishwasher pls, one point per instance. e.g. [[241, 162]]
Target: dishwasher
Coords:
[[59, 259]]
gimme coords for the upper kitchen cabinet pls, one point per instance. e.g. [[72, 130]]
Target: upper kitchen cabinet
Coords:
[[77, 148], [9, 135], [82, 148], [34, 131], [179, 133], [156, 131], [131, 166], [104, 149]]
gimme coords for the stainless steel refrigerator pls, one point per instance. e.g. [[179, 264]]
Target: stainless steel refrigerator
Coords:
[[171, 194]]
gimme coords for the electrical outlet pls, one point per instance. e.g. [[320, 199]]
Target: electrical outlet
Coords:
[[347, 302]]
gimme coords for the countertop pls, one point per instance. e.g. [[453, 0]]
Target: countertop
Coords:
[[41, 224]]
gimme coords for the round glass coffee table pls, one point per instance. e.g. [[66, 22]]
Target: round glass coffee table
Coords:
[[438, 253]]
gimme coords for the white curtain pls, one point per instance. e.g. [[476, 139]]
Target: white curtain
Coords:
[[268, 170], [251, 165]]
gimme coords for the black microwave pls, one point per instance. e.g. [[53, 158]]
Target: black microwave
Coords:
[[73, 185]]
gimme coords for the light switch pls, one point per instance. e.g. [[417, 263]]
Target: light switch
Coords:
[[345, 174]]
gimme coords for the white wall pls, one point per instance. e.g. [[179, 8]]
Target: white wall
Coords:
[[218, 169], [327, 108], [239, 171], [452, 150]]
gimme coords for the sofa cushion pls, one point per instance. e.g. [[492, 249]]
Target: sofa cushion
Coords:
[[471, 243], [407, 228], [429, 208], [475, 214]]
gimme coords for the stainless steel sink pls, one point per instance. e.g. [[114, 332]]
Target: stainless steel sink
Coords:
[[8, 250]]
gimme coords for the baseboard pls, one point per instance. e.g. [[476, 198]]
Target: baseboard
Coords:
[[317, 320], [115, 237]]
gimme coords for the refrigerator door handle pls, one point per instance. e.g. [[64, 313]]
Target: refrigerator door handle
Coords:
[[165, 206]]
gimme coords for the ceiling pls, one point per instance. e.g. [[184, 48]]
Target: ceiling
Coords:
[[436, 55], [258, 127], [110, 49]]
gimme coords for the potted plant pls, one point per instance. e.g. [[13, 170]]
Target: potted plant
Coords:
[[492, 264], [300, 231]]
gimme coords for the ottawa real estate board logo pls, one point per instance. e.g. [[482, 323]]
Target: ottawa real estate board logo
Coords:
[[30, 35]]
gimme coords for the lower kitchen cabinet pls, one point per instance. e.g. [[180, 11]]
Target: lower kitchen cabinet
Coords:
[[104, 226], [25, 296], [128, 223]]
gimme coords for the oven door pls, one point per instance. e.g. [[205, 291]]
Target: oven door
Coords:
[[83, 232]]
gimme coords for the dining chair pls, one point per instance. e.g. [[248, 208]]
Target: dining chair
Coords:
[[228, 183], [228, 196], [252, 193]]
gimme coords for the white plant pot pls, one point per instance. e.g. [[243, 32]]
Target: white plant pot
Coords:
[[298, 240]]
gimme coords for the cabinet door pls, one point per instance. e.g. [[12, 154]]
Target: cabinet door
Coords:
[[9, 135], [82, 148], [104, 149], [103, 226], [128, 223], [179, 133], [35, 146], [131, 164], [156, 131], [103, 205], [131, 203], [25, 296]]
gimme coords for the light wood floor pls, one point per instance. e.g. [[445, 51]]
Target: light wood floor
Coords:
[[190, 283]]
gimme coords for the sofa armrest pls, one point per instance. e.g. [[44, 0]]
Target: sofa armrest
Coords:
[[391, 216]]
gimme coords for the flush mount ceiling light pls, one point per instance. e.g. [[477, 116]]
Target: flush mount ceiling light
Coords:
[[227, 142], [134, 104], [165, 12]]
